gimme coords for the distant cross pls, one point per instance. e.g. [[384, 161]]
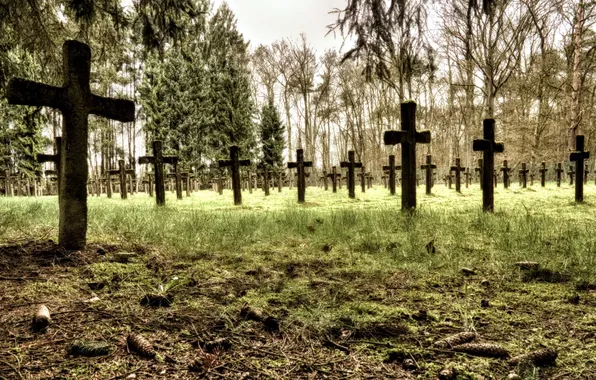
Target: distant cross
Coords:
[[579, 156], [468, 176], [523, 172], [449, 180], [351, 164], [122, 172], [571, 174], [186, 177], [429, 167], [158, 160], [391, 168], [489, 147], [559, 170], [335, 177], [543, 171], [53, 158], [506, 169], [266, 176], [458, 169], [408, 137], [149, 183], [300, 165], [532, 175], [369, 180], [385, 177], [363, 179], [479, 171], [586, 172], [325, 180], [76, 102], [234, 163]]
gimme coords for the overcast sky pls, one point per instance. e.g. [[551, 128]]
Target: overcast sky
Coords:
[[266, 21]]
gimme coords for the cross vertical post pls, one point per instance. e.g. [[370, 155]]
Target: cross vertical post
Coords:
[[351, 164], [579, 156], [234, 163], [300, 165], [408, 137], [158, 160], [76, 101], [391, 168], [428, 168], [586, 172], [506, 169], [559, 171], [543, 171], [458, 169], [524, 175], [489, 147]]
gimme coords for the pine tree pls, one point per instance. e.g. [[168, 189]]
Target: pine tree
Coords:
[[272, 135]]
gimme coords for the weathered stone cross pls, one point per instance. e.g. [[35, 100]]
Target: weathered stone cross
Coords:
[[524, 174], [234, 163], [76, 102], [489, 147], [300, 165], [391, 168], [158, 160], [543, 171], [429, 167], [458, 169], [351, 164], [559, 170], [586, 172], [408, 137], [122, 172], [578, 157], [468, 176], [571, 174], [55, 159], [335, 176], [506, 169]]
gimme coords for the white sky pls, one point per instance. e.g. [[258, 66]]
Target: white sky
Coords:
[[267, 21]]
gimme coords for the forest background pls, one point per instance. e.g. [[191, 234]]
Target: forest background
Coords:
[[200, 86]]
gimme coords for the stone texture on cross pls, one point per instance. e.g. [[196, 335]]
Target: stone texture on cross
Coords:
[[428, 168], [53, 158], [300, 165], [458, 169], [158, 160], [489, 147], [76, 102], [234, 163], [579, 156], [351, 164], [408, 137]]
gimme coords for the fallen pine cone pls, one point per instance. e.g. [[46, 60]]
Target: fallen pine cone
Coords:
[[42, 318], [482, 349], [543, 357], [89, 349], [140, 345], [456, 340]]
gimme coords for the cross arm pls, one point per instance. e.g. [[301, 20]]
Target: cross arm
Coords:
[[577, 156], [172, 160], [423, 137], [41, 158], [29, 93], [116, 109], [146, 160], [223, 163], [244, 163], [393, 137]]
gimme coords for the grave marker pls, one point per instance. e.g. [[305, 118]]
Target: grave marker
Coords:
[[335, 176], [391, 168], [458, 170], [429, 167], [408, 137], [479, 171], [76, 102], [586, 172], [579, 156], [559, 170], [55, 159], [234, 163], [158, 160], [351, 164], [506, 169], [489, 147], [543, 171], [300, 166], [122, 172], [523, 172]]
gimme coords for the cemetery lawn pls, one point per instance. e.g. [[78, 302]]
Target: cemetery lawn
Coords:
[[344, 288]]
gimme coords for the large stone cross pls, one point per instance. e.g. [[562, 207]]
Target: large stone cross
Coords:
[[158, 160], [458, 169], [429, 167], [391, 168], [122, 172], [543, 171], [408, 137], [489, 147], [351, 164], [234, 163], [578, 157], [53, 158], [300, 165], [76, 102]]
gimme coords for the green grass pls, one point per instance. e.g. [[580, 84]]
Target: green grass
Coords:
[[353, 271]]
